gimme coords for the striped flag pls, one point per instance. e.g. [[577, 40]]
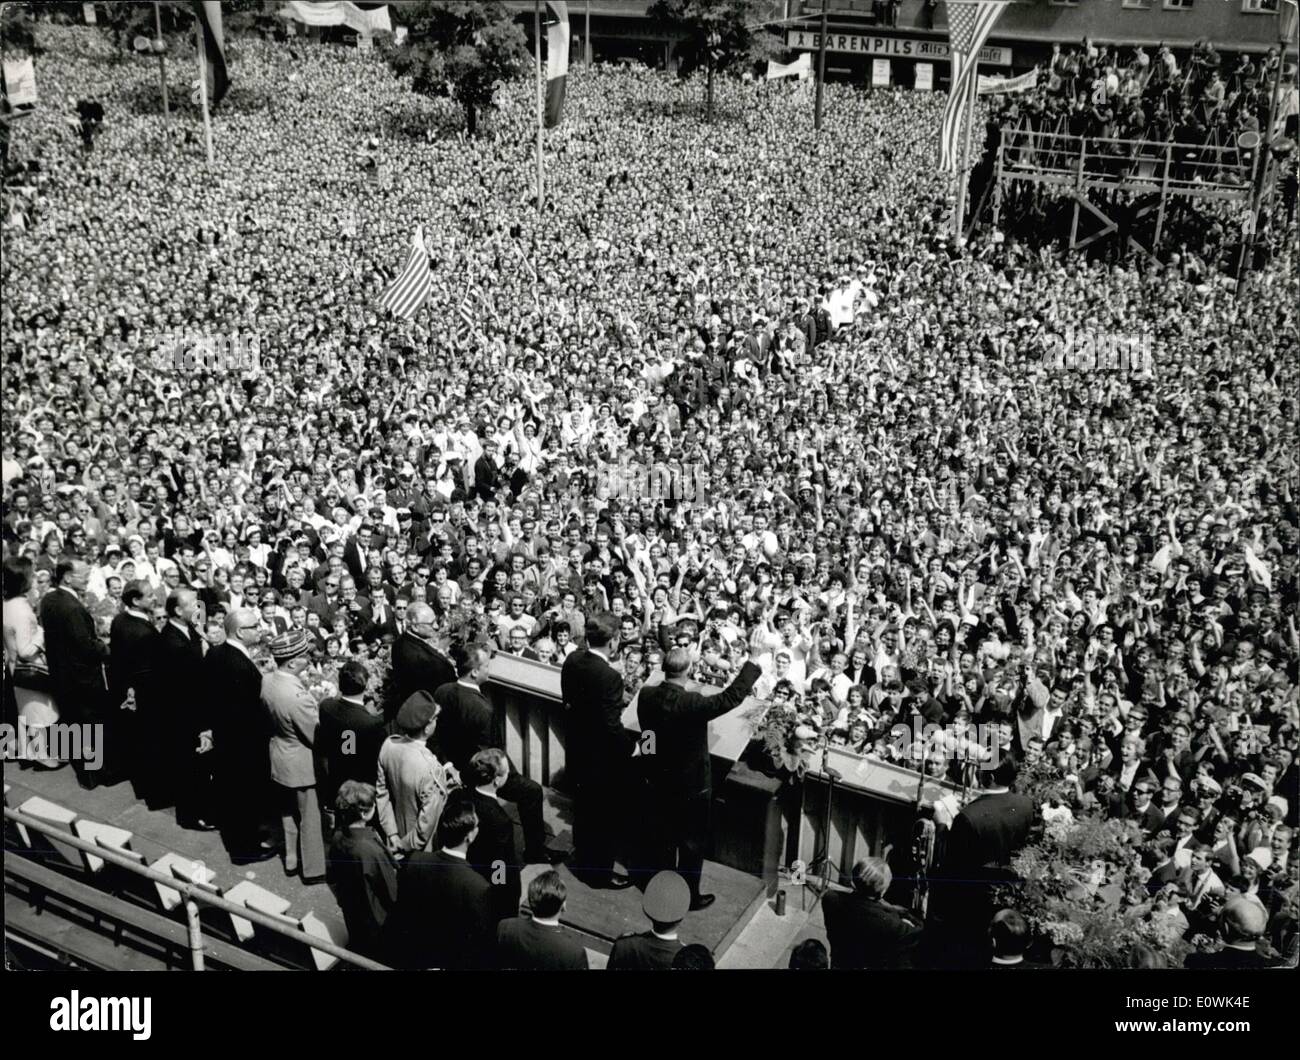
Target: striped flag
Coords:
[[969, 25], [214, 49], [408, 292], [557, 62]]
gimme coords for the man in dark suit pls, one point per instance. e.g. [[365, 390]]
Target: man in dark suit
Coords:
[[865, 931], [675, 738], [355, 553], [1242, 924], [494, 854], [176, 727], [417, 665], [130, 660], [1142, 807], [443, 917], [538, 943], [76, 658], [241, 734], [467, 724], [487, 474], [597, 751], [977, 857], [666, 902], [360, 868], [348, 736]]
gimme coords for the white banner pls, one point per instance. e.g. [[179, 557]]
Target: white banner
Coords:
[[991, 85], [801, 68], [894, 47], [88, 13], [879, 73], [925, 77], [363, 20], [20, 80]]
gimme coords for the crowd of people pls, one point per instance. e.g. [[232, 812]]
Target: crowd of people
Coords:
[[632, 405], [1105, 91]]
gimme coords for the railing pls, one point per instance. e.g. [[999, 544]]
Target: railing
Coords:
[[193, 896], [1197, 170]]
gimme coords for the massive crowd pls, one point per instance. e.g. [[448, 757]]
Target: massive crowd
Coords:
[[635, 402]]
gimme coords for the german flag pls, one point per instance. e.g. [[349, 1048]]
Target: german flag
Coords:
[[208, 13]]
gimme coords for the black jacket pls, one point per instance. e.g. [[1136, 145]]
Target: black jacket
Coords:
[[467, 724], [241, 727], [526, 946], [494, 854], [175, 704], [416, 666], [678, 721], [74, 652], [646, 952], [348, 739], [593, 701], [364, 878], [130, 656], [866, 933], [443, 916]]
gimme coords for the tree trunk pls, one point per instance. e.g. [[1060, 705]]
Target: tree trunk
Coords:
[[471, 119], [708, 106]]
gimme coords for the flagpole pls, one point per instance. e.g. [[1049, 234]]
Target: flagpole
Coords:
[[586, 37], [537, 55], [821, 69], [203, 94], [162, 63], [960, 215]]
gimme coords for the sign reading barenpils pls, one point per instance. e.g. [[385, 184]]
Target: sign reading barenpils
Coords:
[[897, 47]]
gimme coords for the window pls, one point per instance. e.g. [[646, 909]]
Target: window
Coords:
[[1178, 5], [1259, 7], [1065, 3], [1138, 5]]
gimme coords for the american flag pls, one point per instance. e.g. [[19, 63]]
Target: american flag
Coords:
[[969, 24], [408, 292]]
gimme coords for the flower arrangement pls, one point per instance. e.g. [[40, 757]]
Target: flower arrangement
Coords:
[[787, 734], [1083, 886]]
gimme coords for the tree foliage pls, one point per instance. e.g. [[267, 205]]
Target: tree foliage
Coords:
[[461, 49], [717, 35]]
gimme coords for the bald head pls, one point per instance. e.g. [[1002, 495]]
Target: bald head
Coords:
[[1242, 921], [420, 615], [243, 624]]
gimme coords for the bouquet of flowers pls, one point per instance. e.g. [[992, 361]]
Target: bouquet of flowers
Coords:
[[1082, 886]]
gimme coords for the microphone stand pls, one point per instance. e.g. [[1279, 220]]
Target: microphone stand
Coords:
[[923, 836], [819, 889]]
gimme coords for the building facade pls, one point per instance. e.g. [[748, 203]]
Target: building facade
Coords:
[[892, 38]]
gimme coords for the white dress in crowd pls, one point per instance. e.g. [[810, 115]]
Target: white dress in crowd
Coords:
[[24, 641]]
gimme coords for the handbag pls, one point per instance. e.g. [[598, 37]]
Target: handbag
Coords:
[[32, 674]]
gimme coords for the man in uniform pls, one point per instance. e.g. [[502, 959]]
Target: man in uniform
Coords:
[[294, 717], [674, 725], [667, 899], [411, 785]]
